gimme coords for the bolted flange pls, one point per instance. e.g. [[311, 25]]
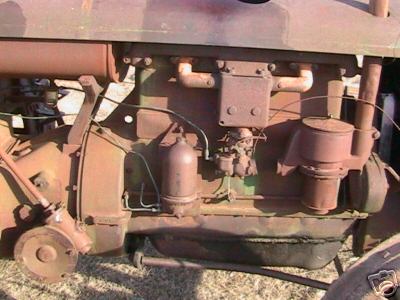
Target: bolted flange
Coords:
[[45, 254]]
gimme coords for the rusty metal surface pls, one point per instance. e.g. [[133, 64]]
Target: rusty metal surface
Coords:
[[212, 226], [60, 59], [310, 254], [379, 8], [55, 216], [375, 229], [301, 84], [15, 170], [368, 188], [346, 62], [322, 149], [46, 254], [244, 96], [82, 122], [99, 206], [241, 206], [314, 25], [179, 191]]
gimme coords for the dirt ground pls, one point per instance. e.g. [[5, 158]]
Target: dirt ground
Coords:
[[116, 278]]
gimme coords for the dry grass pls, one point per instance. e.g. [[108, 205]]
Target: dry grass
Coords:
[[116, 278]]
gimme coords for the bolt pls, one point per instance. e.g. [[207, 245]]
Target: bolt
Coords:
[[210, 82], [74, 187], [78, 154], [46, 254], [293, 66], [147, 61], [127, 60], [230, 70], [376, 135], [220, 64], [260, 71], [255, 111], [174, 60], [314, 67], [342, 71], [40, 182], [271, 67], [232, 110]]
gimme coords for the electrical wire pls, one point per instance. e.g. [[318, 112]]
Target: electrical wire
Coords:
[[162, 110], [336, 97], [36, 118], [22, 88], [153, 207], [282, 108]]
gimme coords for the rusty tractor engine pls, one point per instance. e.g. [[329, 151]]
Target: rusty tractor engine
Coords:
[[240, 142]]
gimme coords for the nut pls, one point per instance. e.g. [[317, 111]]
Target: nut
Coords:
[[271, 67], [147, 61]]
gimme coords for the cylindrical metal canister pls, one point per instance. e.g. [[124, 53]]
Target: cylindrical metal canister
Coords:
[[179, 178], [320, 195], [61, 59], [325, 146], [325, 141]]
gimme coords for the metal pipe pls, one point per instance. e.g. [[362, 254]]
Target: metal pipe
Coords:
[[23, 179], [202, 265], [187, 78], [379, 8], [364, 118], [300, 84], [61, 59], [369, 88]]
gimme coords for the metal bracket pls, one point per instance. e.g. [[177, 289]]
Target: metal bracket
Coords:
[[92, 91]]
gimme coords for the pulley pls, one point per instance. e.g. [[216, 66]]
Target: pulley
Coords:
[[46, 254]]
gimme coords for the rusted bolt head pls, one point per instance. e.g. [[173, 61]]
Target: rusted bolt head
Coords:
[[376, 135], [232, 110], [220, 64], [271, 67], [127, 60], [230, 70], [147, 61], [174, 60], [40, 182], [46, 254], [293, 66], [255, 111], [260, 71]]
